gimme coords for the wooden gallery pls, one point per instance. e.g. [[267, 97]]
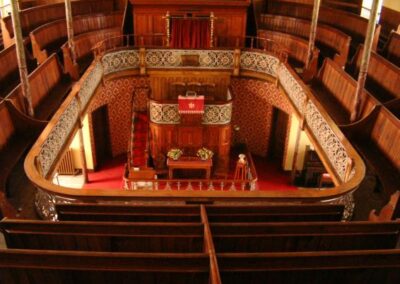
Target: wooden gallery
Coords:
[[199, 141]]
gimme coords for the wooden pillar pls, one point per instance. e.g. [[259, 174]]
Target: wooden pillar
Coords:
[[212, 24], [70, 29], [168, 28], [313, 32], [296, 152], [20, 48], [362, 75], [82, 152]]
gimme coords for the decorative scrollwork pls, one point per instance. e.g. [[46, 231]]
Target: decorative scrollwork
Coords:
[[292, 87], [168, 114], [90, 84], [164, 113], [217, 114], [58, 137], [348, 201], [331, 144], [120, 60], [172, 58], [259, 62], [45, 203]]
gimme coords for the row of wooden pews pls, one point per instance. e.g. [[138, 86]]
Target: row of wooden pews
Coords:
[[49, 38], [297, 49], [215, 244], [332, 42], [391, 51], [9, 72], [84, 44], [35, 17], [351, 24], [17, 132]]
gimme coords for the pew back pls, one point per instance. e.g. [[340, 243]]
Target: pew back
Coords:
[[391, 50], [333, 42], [383, 79], [297, 49], [351, 24], [304, 236], [7, 129], [9, 74], [335, 90], [33, 266]]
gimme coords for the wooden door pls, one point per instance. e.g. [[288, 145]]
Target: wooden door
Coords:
[[278, 134], [101, 135]]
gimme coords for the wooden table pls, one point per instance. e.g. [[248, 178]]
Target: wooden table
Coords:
[[187, 163]]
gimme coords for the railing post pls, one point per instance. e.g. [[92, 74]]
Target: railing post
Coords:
[[167, 28], [313, 32], [20, 48], [362, 75], [236, 62], [142, 60], [212, 20]]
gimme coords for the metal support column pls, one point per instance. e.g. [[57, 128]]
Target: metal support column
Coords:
[[313, 32], [362, 75], [20, 48], [70, 29]]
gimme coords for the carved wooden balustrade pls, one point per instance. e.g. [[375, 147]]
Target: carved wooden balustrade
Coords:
[[338, 155]]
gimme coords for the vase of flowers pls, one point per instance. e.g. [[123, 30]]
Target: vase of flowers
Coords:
[[174, 153], [205, 153]]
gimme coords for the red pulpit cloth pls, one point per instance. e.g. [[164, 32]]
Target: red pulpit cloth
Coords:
[[191, 104]]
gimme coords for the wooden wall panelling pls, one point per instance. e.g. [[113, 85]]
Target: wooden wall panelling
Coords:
[[231, 17], [160, 81]]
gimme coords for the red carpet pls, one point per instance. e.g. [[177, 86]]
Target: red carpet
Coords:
[[270, 176], [109, 176]]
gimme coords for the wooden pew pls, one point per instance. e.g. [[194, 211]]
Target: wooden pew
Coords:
[[126, 213], [84, 45], [17, 132], [376, 136], [49, 37], [391, 51], [103, 236], [335, 90], [351, 24], [332, 42], [383, 77], [33, 266], [304, 236], [297, 49], [9, 72], [274, 213], [34, 17], [49, 86], [369, 267]]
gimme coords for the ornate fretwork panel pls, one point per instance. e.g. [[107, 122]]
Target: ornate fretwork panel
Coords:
[[168, 114], [120, 60], [172, 58], [292, 88], [331, 144], [259, 62], [90, 84], [58, 137], [217, 114]]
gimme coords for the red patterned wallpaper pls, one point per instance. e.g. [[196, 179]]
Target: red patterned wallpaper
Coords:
[[117, 94], [253, 111]]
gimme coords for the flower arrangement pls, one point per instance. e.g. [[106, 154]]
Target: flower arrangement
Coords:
[[205, 153], [174, 153]]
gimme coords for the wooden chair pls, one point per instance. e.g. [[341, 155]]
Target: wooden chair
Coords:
[[388, 211]]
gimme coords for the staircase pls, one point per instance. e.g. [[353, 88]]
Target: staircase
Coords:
[[139, 140]]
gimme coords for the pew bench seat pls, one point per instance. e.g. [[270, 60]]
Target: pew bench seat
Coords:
[[54, 98], [388, 174], [332, 105], [376, 137]]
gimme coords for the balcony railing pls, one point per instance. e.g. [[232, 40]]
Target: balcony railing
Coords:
[[339, 157]]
